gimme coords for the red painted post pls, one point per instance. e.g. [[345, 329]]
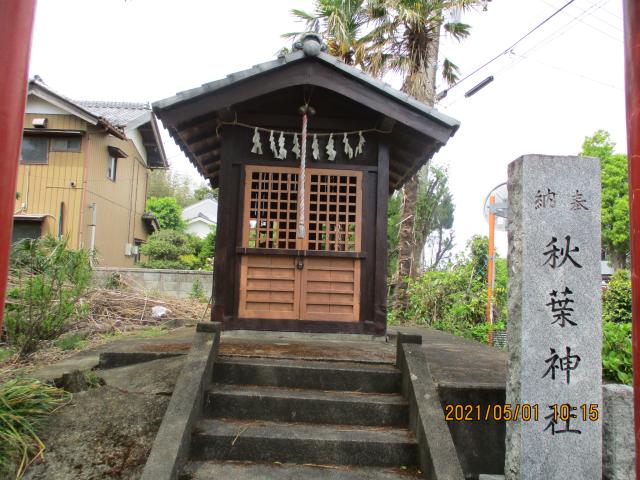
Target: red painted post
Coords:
[[632, 74], [491, 267], [16, 25]]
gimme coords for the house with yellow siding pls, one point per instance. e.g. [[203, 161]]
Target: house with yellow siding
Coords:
[[83, 173]]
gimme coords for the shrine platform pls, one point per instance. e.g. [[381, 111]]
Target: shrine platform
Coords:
[[464, 371], [455, 362]]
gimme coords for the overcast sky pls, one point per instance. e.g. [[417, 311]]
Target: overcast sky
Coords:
[[559, 85]]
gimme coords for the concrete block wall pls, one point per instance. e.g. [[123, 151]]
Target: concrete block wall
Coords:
[[175, 283], [618, 436]]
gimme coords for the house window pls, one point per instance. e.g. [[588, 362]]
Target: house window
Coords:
[[35, 150], [114, 154], [111, 171], [66, 144], [137, 243]]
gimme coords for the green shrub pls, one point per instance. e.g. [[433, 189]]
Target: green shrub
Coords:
[[174, 249], [616, 300], [114, 281], [197, 292], [24, 405], [189, 262], [47, 281], [208, 250], [616, 352], [167, 211], [454, 300], [164, 249]]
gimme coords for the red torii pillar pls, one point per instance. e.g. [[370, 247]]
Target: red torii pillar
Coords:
[[16, 26], [632, 74]]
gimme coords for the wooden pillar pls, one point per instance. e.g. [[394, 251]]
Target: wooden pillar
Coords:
[[381, 253], [224, 267]]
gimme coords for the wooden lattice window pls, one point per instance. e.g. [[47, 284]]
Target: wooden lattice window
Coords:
[[273, 205], [334, 201]]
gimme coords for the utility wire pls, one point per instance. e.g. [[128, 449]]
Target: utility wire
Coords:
[[554, 35], [591, 14], [507, 50], [612, 14], [579, 75], [615, 27], [565, 28]]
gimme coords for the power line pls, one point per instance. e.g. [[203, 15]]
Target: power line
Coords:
[[586, 12], [555, 34], [612, 14], [565, 28], [561, 69], [615, 27], [521, 58], [507, 50]]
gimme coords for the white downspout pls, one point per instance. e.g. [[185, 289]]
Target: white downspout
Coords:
[[92, 245]]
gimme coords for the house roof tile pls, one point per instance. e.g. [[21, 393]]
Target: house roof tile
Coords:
[[117, 113]]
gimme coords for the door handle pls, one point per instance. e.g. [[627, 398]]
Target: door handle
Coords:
[[300, 264]]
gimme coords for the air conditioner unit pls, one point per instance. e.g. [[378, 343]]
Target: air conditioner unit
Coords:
[[39, 123], [128, 250]]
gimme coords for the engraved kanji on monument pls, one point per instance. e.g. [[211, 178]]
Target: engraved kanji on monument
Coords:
[[554, 327]]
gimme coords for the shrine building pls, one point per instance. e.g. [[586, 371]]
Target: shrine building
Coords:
[[301, 240]]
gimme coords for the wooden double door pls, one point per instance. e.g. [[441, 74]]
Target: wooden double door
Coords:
[[316, 277]]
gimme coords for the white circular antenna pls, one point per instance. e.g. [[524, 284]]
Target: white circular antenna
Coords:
[[499, 206]]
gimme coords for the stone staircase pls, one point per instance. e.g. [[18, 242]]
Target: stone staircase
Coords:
[[293, 419]]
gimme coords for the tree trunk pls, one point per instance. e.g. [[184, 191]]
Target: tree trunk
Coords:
[[420, 83], [406, 238], [618, 260]]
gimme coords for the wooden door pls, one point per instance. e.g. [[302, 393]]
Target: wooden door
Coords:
[[313, 278], [330, 289], [270, 287]]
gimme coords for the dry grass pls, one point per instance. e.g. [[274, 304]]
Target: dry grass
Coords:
[[111, 312], [126, 310]]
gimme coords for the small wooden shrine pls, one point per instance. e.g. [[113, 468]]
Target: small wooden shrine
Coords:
[[305, 151]]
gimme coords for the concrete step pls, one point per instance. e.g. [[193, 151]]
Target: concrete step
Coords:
[[344, 376], [287, 471], [257, 441], [308, 406]]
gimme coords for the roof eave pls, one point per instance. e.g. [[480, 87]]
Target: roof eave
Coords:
[[156, 133], [148, 119], [359, 75], [205, 88], [40, 91], [206, 221], [139, 121]]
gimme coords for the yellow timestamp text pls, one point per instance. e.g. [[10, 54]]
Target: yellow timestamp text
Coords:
[[525, 412]]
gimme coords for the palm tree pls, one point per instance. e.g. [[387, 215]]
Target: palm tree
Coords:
[[402, 36], [341, 23]]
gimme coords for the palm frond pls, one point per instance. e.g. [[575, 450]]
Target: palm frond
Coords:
[[464, 5], [450, 72], [302, 15], [311, 21], [457, 30]]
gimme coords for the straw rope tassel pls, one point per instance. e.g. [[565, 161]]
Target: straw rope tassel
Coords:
[[301, 182]]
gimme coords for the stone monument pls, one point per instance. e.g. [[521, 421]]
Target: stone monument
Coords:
[[554, 385]]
